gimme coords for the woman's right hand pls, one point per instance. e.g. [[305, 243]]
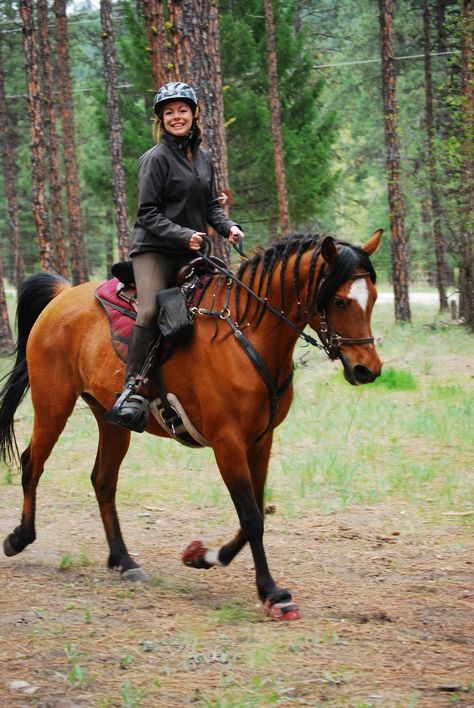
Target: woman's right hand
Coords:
[[196, 240]]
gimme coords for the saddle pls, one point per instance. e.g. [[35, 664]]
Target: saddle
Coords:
[[118, 296]]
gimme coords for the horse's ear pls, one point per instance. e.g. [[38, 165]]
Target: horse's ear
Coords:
[[373, 243], [328, 250]]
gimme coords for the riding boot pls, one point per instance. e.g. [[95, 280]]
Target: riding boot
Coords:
[[131, 410]]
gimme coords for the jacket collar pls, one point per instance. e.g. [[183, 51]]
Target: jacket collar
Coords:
[[181, 144]]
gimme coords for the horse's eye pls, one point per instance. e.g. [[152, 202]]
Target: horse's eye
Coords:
[[340, 303]]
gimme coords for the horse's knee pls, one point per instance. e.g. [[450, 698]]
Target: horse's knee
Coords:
[[252, 526]]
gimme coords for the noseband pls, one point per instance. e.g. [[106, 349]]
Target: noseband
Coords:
[[331, 340]]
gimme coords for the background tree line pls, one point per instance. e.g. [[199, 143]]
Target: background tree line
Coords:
[[352, 101]]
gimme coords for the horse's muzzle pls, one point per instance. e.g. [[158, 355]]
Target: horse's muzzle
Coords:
[[360, 374]]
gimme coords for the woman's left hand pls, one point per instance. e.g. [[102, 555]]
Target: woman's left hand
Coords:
[[235, 235]]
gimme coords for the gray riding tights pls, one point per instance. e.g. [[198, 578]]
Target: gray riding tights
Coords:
[[153, 272]]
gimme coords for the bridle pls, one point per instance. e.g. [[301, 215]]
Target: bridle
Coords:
[[331, 341]]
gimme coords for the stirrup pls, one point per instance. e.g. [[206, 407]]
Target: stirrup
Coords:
[[130, 410]]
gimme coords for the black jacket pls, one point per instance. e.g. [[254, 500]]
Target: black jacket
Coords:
[[176, 198]]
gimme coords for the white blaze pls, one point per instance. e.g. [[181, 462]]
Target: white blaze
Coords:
[[360, 292]]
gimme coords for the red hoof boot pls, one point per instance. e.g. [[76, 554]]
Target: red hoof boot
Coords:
[[193, 556], [279, 606], [281, 610]]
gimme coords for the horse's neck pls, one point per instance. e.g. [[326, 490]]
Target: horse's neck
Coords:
[[271, 334], [293, 299]]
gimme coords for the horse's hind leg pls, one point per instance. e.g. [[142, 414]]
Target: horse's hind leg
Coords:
[[113, 446], [50, 417]]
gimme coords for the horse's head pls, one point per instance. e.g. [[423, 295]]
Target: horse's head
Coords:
[[345, 298]]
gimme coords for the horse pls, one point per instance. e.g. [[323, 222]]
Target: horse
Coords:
[[233, 377]]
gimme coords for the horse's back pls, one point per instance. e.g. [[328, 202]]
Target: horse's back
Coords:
[[70, 343]]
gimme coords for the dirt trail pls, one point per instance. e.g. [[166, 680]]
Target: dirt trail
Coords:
[[386, 597]]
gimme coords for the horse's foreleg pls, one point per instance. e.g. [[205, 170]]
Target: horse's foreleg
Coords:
[[49, 421], [245, 476], [113, 446], [197, 554]]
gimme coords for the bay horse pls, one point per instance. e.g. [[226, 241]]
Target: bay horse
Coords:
[[234, 394]]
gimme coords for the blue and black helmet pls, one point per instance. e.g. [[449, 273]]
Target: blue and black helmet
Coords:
[[173, 91]]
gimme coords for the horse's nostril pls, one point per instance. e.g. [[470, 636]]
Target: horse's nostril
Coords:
[[363, 374]]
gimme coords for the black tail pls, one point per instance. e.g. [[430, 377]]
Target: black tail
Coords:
[[33, 295]]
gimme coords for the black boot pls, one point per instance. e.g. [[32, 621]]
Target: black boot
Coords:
[[130, 409]]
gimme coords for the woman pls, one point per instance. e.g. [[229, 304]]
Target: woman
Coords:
[[177, 200]]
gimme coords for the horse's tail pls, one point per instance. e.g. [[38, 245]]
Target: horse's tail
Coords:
[[34, 294]]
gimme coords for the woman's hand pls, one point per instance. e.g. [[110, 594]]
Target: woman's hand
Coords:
[[235, 235], [196, 240]]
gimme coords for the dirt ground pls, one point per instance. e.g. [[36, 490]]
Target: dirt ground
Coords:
[[386, 600]]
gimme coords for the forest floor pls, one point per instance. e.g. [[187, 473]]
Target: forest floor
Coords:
[[386, 589], [386, 600]]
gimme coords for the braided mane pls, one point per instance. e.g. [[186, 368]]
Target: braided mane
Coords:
[[259, 271]]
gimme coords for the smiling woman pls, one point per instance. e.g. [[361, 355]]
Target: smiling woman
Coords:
[[177, 201]]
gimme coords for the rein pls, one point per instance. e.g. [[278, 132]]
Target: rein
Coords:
[[331, 341]]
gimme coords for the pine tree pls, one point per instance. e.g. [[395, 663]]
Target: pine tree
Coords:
[[430, 134], [466, 277], [399, 252], [51, 139], [115, 128], [195, 25], [76, 240], [40, 214], [9, 172], [283, 215]]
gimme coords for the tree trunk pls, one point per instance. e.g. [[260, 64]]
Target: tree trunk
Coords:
[[49, 119], [6, 341], [162, 68], [395, 200], [283, 214], [9, 177], [76, 240], [196, 25], [115, 128], [466, 274], [38, 199], [430, 133]]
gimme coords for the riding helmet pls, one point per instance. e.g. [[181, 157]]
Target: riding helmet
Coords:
[[173, 91]]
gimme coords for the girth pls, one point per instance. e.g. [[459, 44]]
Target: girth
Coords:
[[275, 392]]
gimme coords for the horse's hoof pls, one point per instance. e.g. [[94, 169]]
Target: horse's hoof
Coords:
[[8, 548], [281, 611], [194, 554], [134, 575]]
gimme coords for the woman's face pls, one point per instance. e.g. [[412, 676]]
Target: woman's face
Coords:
[[177, 118]]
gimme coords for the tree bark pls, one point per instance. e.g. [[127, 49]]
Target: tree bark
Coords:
[[283, 212], [115, 129], [40, 214], [162, 68], [466, 274], [76, 240], [8, 162], [440, 267], [395, 199], [196, 25], [49, 119]]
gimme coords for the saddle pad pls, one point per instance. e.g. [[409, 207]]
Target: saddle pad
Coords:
[[120, 313], [121, 316]]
